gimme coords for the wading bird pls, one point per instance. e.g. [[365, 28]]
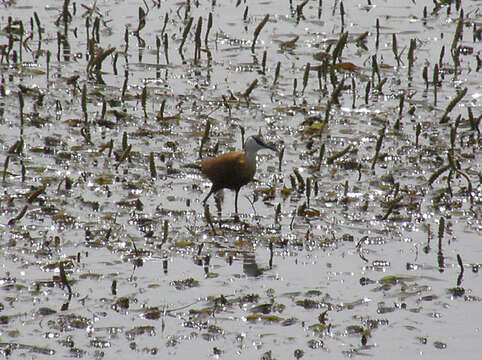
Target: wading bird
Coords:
[[234, 169]]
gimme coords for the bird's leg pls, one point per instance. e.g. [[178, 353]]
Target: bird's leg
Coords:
[[213, 189], [236, 216], [236, 201]]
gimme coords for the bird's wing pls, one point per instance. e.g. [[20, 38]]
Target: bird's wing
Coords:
[[228, 169]]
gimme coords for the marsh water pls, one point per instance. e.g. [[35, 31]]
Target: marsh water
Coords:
[[360, 238]]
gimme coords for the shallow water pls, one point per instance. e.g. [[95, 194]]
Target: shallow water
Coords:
[[375, 256]]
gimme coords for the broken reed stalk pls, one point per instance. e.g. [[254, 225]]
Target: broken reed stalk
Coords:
[[124, 85], [250, 88], [35, 194], [276, 73], [59, 42], [333, 99], [152, 166], [21, 106], [418, 130], [39, 28], [185, 33], [342, 15], [243, 131], [245, 14], [85, 130], [293, 182], [5, 168], [84, 104], [95, 62], [208, 29], [320, 156], [441, 228], [474, 122], [318, 74], [339, 48], [187, 9], [308, 191], [353, 89], [19, 216], [441, 57], [299, 9], [392, 204], [263, 62], [301, 181], [346, 189], [104, 110], [227, 106], [20, 43], [277, 213], [63, 278], [166, 19], [457, 36], [377, 41], [435, 84], [142, 21], [395, 49], [379, 87], [367, 92], [16, 148], [280, 158], [48, 67], [452, 104], [400, 112], [461, 264], [456, 168], [113, 287], [197, 41], [378, 147], [166, 47], [258, 30], [114, 63], [375, 69], [160, 114], [144, 101], [158, 48], [411, 55], [165, 231], [96, 30], [425, 76], [306, 76], [339, 154], [453, 167], [125, 154], [126, 41], [125, 142], [437, 173], [461, 274]]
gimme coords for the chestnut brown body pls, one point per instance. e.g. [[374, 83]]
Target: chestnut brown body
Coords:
[[228, 171]]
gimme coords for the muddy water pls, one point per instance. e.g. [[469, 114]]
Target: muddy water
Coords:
[[363, 239]]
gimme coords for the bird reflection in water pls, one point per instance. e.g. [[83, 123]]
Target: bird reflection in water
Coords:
[[251, 267]]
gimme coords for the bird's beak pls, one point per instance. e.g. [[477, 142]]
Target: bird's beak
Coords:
[[270, 146]]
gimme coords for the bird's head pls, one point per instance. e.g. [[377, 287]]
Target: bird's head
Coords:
[[255, 143]]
